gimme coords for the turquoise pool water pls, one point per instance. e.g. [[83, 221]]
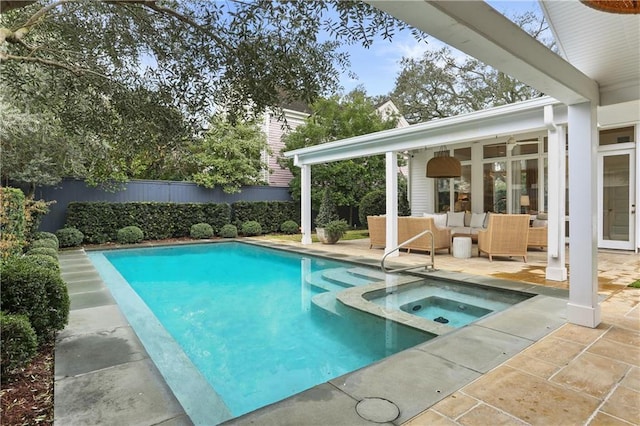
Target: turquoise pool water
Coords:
[[246, 317]]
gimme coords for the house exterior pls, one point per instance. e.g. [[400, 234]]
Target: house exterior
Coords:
[[573, 153]]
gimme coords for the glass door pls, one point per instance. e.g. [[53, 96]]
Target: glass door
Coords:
[[616, 203]]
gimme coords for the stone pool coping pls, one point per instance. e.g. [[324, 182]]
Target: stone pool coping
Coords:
[[417, 378]]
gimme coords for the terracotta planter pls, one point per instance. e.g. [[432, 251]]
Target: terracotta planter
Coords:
[[326, 238]]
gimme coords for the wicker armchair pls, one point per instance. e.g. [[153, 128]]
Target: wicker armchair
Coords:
[[506, 235], [411, 226], [537, 237], [377, 231]]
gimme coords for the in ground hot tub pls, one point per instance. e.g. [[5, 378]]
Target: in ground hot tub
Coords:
[[445, 311]]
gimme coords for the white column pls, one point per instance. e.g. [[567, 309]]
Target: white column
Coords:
[[392, 202], [583, 308], [556, 169], [305, 202]]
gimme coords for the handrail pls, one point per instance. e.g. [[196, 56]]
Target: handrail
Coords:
[[399, 246]]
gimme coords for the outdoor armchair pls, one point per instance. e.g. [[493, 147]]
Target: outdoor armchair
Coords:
[[506, 235]]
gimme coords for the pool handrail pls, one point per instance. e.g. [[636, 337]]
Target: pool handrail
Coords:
[[399, 246]]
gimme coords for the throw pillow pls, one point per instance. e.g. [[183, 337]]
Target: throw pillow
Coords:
[[440, 220], [455, 219], [477, 220]]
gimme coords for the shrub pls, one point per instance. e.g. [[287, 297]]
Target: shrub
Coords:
[[44, 261], [18, 342], [130, 235], [336, 228], [12, 221], [46, 236], [48, 243], [201, 230], [289, 227], [328, 211], [375, 203], [229, 231], [43, 251], [69, 237], [37, 292], [269, 214], [250, 228]]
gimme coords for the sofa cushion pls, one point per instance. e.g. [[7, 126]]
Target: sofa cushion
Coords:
[[477, 220], [455, 219], [461, 230], [538, 223], [439, 219], [467, 218]]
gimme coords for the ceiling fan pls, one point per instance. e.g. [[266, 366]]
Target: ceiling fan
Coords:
[[513, 142]]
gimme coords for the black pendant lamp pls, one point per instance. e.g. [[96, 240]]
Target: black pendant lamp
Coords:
[[443, 166]]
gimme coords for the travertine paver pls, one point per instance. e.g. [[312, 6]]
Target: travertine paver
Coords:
[[430, 418], [624, 403], [555, 351], [615, 350], [591, 374], [535, 366], [479, 414], [456, 404]]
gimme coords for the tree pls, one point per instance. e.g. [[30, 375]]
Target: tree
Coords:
[[439, 84], [333, 119], [230, 155]]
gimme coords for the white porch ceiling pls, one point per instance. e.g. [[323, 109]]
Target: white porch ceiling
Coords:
[[604, 46]]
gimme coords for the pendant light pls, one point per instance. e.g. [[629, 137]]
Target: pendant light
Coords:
[[443, 166]]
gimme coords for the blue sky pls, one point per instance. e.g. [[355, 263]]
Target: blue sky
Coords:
[[378, 66]]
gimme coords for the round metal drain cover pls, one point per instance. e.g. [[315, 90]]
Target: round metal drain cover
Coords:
[[377, 410]]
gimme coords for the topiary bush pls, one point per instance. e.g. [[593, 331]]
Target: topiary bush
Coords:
[[130, 235], [290, 227], [44, 261], [37, 292], [46, 236], [328, 211], [229, 231], [48, 243], [18, 342], [251, 228], [201, 230], [69, 237], [43, 251]]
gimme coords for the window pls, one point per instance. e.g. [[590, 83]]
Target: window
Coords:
[[614, 136], [495, 186]]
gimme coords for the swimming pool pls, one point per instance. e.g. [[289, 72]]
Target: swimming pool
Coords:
[[258, 324]]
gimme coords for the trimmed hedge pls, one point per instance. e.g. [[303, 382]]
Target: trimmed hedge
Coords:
[[201, 230], [37, 292], [46, 236], [44, 261], [229, 231], [290, 227], [251, 228], [12, 221], [46, 251], [69, 237], [375, 203], [130, 235], [46, 242], [99, 221], [18, 342]]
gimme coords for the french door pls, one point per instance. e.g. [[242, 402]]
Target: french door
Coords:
[[616, 199]]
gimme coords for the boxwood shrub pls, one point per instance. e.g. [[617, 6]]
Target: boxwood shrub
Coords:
[[251, 227], [269, 214], [18, 342], [130, 235], [48, 243], [229, 231], [46, 236], [12, 221], [69, 237], [46, 251], [201, 230], [37, 292], [44, 261], [290, 227]]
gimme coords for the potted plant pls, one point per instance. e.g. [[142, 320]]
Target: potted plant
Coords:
[[329, 227]]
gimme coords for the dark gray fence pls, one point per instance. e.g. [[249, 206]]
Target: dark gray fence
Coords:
[[145, 190]]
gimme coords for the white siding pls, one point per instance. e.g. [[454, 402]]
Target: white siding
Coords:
[[276, 129], [422, 187]]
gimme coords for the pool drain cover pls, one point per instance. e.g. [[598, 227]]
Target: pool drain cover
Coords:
[[377, 410]]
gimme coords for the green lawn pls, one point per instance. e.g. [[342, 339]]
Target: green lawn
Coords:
[[350, 235]]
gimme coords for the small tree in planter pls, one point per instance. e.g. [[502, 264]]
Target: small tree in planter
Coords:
[[329, 227]]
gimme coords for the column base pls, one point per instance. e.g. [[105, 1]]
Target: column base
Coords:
[[556, 274], [306, 239], [586, 316]]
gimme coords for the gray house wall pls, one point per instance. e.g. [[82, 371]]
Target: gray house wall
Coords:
[[70, 190]]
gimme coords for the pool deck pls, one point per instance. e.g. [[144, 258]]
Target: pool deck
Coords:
[[524, 366]]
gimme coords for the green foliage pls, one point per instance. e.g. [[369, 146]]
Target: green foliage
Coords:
[[335, 119], [69, 237], [18, 342], [328, 211], [270, 214], [250, 228], [229, 156], [46, 236], [129, 235], [290, 227], [201, 230], [45, 251], [12, 220], [36, 292], [336, 228], [229, 231], [635, 284], [44, 261], [375, 203], [46, 242]]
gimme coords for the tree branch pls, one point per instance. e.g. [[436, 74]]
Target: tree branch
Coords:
[[50, 62]]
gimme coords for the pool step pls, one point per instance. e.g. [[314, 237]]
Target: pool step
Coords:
[[344, 277], [327, 302]]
